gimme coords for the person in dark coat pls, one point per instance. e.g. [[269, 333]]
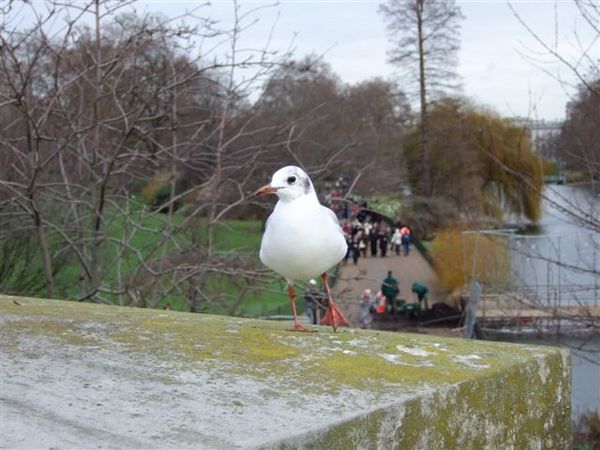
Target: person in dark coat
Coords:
[[348, 248], [310, 300], [390, 289], [373, 237], [384, 243], [353, 249], [421, 291]]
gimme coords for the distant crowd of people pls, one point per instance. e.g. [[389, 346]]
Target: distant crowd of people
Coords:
[[365, 230], [367, 235], [373, 239]]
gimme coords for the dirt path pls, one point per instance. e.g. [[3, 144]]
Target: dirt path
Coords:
[[370, 272]]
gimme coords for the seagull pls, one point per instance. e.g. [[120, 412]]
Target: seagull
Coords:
[[302, 239]]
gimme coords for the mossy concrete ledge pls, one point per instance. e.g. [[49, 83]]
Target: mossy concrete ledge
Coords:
[[79, 375]]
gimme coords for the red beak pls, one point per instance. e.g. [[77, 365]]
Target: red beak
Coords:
[[268, 189]]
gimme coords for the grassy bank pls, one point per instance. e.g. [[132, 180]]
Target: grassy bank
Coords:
[[137, 235]]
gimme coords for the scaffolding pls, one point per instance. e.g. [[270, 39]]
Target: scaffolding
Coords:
[[531, 282]]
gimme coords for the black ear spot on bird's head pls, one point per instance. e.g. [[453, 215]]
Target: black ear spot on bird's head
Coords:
[[306, 185]]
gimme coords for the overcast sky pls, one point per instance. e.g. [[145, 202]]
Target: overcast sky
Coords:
[[352, 37]]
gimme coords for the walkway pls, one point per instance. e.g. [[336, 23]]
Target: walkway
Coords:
[[370, 272]]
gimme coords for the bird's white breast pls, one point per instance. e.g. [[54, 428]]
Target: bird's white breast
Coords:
[[302, 239]]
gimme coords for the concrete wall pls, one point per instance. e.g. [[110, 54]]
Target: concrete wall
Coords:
[[88, 376]]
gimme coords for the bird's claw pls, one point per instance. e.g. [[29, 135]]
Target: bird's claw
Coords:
[[301, 328], [334, 317]]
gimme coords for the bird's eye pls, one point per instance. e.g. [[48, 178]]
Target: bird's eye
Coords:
[[291, 180]]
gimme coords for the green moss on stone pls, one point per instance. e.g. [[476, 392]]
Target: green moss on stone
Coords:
[[450, 393]]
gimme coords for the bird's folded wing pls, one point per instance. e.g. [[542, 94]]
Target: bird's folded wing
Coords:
[[331, 215], [268, 221]]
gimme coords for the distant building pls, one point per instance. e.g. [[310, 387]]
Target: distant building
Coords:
[[543, 133]]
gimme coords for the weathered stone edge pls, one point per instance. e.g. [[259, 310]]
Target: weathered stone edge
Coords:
[[481, 413]]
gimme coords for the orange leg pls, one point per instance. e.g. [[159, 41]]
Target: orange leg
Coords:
[[297, 325], [334, 316]]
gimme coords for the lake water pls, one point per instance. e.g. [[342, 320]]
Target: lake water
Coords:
[[558, 262]]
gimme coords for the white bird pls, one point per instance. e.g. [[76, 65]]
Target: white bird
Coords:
[[302, 239]]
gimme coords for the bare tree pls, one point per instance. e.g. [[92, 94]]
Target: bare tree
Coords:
[[425, 39], [128, 140], [97, 103], [376, 114], [577, 144]]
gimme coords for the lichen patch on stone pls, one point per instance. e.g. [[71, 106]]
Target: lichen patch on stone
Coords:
[[415, 351], [201, 381]]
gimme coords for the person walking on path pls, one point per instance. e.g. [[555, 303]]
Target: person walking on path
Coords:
[[362, 245], [384, 243], [390, 289], [397, 241], [367, 308], [405, 232], [373, 236], [353, 249], [311, 301], [380, 303], [421, 291]]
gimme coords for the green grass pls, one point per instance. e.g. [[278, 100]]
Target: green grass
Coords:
[[389, 205], [233, 239], [144, 231], [244, 237], [241, 236]]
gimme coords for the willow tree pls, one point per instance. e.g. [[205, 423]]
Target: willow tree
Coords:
[[482, 164], [425, 35]]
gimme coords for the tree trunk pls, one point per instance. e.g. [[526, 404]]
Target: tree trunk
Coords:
[[425, 180], [47, 259], [95, 250]]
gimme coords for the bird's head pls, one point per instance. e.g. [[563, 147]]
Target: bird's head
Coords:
[[288, 183]]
